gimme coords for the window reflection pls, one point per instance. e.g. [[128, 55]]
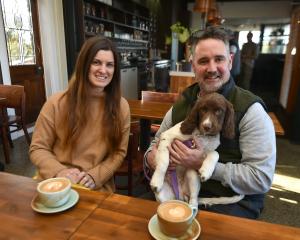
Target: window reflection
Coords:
[[19, 32]]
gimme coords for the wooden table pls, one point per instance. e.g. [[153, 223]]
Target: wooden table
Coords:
[[147, 111], [19, 221], [111, 216]]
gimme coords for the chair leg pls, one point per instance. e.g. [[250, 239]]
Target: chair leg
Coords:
[[5, 145], [130, 187], [9, 139], [26, 134]]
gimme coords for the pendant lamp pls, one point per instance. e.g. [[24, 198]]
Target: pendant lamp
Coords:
[[202, 6]]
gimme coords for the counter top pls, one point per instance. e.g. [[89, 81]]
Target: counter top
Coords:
[[182, 74]]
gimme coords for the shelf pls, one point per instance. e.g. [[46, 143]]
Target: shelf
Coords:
[[91, 34], [130, 31], [114, 22]]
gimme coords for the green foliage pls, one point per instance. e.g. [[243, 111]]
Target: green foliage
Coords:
[[183, 32]]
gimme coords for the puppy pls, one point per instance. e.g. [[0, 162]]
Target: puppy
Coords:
[[211, 115]]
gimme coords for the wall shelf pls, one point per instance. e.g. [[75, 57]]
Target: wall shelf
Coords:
[[116, 21]]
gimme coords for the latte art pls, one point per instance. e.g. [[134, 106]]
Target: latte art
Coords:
[[174, 211], [177, 212], [54, 186]]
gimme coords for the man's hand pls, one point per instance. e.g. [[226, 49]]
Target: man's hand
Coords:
[[151, 157], [185, 156]]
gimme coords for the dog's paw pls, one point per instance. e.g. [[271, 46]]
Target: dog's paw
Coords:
[[204, 175], [194, 202], [155, 185]]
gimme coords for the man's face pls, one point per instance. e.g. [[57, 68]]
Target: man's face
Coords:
[[211, 64]]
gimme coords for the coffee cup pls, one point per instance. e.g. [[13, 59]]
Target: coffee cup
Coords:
[[175, 217], [54, 192]]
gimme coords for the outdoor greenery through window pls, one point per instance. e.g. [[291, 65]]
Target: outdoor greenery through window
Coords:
[[19, 31]]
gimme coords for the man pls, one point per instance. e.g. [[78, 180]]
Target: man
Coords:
[[248, 55], [235, 54], [246, 164]]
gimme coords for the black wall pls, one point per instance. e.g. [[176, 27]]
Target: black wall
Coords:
[[73, 33]]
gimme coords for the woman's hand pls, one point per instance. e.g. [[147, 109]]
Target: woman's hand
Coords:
[[78, 177], [86, 180], [185, 156], [70, 173]]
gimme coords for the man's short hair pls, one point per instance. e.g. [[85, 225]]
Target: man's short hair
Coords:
[[212, 32]]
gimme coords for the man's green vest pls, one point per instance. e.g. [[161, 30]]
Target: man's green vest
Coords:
[[229, 149]]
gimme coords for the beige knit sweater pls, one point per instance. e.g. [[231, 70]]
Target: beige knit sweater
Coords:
[[90, 152]]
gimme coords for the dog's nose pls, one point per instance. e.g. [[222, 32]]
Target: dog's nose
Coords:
[[207, 128], [207, 125]]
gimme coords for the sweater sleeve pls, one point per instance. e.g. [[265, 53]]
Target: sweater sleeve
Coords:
[[106, 169], [254, 174], [44, 136]]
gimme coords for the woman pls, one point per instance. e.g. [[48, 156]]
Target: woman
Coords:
[[82, 133]]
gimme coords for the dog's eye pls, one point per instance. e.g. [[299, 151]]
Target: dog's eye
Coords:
[[203, 109], [218, 111]]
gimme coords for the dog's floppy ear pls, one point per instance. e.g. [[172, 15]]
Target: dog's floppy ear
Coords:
[[228, 130], [191, 121]]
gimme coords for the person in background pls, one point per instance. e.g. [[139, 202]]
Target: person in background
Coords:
[[82, 133], [235, 54], [246, 163], [248, 55]]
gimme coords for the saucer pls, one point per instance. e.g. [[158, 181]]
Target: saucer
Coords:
[[192, 233], [39, 207]]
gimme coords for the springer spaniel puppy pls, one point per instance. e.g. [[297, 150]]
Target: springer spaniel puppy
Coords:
[[211, 116]]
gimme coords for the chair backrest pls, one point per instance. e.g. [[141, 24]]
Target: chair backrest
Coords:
[[159, 96], [14, 96]]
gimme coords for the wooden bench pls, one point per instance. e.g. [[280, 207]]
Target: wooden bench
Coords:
[[278, 128]]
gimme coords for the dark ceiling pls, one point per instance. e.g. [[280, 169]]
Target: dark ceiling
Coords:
[[246, 0]]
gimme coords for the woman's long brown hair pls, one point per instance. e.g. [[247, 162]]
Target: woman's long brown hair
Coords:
[[77, 93]]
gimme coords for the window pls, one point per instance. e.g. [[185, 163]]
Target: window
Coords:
[[276, 38], [18, 31]]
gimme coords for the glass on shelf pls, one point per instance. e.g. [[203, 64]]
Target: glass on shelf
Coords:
[[88, 9], [93, 10]]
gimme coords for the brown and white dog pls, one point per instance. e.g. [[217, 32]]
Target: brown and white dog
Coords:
[[211, 116]]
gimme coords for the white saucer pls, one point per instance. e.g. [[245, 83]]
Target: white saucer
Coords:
[[39, 207], [192, 233]]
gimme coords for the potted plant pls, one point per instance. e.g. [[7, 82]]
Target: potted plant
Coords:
[[182, 32]]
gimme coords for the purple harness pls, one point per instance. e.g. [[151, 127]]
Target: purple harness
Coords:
[[174, 180]]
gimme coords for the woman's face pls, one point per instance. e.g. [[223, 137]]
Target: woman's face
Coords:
[[102, 69]]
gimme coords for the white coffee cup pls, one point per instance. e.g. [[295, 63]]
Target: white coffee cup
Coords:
[[175, 217], [54, 192]]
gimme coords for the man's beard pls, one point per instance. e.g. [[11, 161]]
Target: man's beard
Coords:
[[209, 88]]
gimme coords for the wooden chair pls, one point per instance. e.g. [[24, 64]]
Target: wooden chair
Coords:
[[4, 140], [159, 97], [14, 96], [133, 163]]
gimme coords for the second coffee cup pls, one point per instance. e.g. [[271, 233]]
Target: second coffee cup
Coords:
[[175, 217]]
